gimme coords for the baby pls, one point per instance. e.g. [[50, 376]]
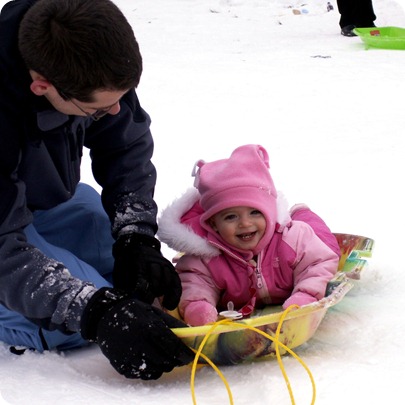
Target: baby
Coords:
[[241, 244]]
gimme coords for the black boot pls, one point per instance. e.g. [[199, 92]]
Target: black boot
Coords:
[[347, 31]]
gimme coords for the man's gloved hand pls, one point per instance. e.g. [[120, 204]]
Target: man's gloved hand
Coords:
[[134, 336], [140, 268]]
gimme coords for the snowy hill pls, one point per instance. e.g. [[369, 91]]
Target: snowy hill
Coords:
[[219, 74]]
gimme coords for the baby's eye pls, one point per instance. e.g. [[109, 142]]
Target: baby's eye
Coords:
[[255, 212], [230, 217]]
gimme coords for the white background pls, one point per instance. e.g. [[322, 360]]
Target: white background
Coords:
[[219, 74]]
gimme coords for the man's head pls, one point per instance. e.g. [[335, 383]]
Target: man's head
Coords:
[[80, 47]]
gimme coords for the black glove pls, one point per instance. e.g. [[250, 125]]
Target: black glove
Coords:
[[140, 268], [134, 336]]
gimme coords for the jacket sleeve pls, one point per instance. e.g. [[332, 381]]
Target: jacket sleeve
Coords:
[[197, 282], [315, 263], [121, 148], [31, 283]]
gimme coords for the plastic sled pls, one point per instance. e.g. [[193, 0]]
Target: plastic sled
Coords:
[[231, 344], [382, 37]]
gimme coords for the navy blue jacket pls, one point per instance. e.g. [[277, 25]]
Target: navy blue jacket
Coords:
[[40, 156]]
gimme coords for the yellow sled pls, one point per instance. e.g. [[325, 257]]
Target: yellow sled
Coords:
[[234, 343]]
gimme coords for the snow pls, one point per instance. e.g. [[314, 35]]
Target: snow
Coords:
[[219, 74]]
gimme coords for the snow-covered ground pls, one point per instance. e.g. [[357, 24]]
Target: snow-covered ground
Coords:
[[222, 73]]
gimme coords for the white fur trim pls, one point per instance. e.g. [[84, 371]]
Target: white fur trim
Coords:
[[178, 236], [283, 215]]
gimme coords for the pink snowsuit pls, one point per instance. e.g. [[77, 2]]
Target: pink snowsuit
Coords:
[[295, 261], [292, 266]]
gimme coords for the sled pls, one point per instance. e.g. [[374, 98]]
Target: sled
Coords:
[[234, 343], [382, 37]]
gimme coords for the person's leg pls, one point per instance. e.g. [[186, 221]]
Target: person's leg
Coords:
[[301, 212], [82, 227], [355, 13], [79, 228], [345, 8], [363, 13], [16, 330]]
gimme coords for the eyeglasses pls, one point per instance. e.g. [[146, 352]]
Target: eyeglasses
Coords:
[[94, 116]]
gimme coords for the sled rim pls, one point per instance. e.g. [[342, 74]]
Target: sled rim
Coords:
[[274, 318], [382, 37]]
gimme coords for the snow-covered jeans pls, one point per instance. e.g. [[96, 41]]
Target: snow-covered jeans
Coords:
[[78, 234]]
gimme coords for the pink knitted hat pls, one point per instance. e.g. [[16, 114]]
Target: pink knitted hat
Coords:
[[242, 180]]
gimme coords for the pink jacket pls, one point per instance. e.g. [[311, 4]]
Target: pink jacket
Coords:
[[296, 261]]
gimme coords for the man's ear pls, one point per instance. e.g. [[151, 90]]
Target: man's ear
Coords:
[[39, 85]]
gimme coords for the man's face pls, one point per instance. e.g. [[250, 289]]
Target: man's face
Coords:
[[105, 102]]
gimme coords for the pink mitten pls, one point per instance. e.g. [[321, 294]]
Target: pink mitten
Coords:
[[199, 313], [299, 298]]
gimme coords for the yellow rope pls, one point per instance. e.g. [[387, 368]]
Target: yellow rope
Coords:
[[218, 372], [280, 362], [200, 354], [275, 339]]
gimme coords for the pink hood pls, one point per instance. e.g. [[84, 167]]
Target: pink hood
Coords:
[[180, 226], [243, 179]]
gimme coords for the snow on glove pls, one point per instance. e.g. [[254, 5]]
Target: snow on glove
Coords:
[[199, 313], [134, 336], [299, 298], [140, 268]]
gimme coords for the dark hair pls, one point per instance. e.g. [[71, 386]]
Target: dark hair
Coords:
[[80, 46]]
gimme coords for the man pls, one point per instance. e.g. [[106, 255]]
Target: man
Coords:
[[75, 267], [355, 14]]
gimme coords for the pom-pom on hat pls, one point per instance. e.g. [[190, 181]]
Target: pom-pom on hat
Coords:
[[242, 180]]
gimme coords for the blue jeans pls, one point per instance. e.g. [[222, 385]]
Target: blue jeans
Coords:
[[78, 234]]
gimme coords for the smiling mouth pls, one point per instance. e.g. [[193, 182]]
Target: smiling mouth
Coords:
[[247, 236]]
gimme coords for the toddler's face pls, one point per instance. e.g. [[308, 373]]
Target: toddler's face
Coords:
[[241, 227]]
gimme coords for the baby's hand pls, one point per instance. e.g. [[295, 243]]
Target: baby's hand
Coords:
[[300, 299], [200, 313]]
